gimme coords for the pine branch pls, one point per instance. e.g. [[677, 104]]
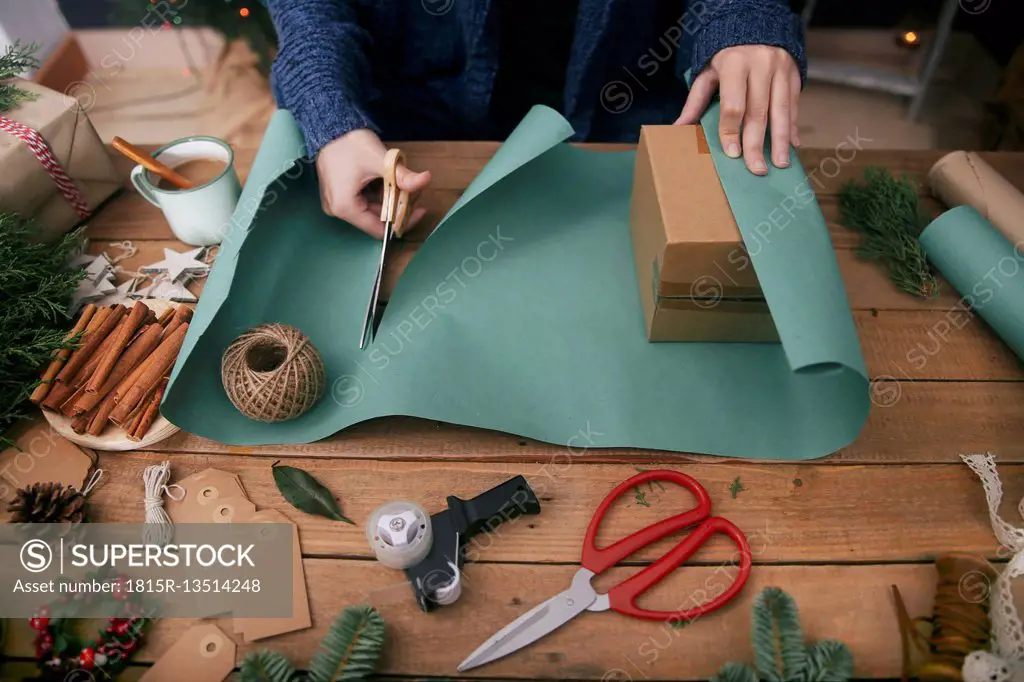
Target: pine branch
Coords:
[[267, 666], [829, 661], [16, 60], [35, 287], [735, 672], [779, 651], [886, 212], [350, 649], [777, 637]]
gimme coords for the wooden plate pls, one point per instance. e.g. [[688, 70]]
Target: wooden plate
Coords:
[[113, 437]]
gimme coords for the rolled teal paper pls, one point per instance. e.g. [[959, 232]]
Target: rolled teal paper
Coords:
[[521, 313], [983, 266]]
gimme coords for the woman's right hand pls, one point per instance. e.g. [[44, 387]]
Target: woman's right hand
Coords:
[[347, 166]]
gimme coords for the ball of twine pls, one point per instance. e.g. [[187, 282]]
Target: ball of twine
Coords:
[[272, 373]]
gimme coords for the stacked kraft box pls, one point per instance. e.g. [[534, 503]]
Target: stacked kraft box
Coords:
[[695, 276]]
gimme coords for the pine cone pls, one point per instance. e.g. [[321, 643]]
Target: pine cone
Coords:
[[47, 503]]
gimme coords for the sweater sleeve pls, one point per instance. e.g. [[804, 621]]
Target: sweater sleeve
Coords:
[[321, 73], [718, 24]]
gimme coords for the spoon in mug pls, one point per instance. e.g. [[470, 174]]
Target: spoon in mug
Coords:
[[149, 163]]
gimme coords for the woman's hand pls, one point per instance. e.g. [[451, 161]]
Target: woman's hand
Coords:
[[347, 166], [758, 85]]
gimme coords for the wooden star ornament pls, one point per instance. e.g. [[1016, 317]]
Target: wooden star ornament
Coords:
[[179, 267]]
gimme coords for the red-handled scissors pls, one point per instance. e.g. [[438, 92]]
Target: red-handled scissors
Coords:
[[580, 596]]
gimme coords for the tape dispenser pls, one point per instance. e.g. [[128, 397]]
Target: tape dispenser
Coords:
[[431, 549]]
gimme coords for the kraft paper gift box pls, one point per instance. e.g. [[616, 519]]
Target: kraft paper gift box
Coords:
[[26, 187], [696, 279]]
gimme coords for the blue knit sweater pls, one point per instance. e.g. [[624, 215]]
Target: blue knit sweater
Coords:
[[425, 69]]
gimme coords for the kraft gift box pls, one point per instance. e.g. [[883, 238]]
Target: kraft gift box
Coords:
[[696, 279], [26, 188]]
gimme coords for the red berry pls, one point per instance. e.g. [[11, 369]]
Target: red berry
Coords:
[[39, 624], [43, 612], [87, 658], [44, 646]]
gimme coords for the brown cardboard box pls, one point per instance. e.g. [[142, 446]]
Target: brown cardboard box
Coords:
[[696, 279], [25, 186]]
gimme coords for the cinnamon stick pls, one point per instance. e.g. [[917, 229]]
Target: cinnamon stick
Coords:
[[135, 418], [97, 421], [80, 423], [165, 317], [181, 316], [61, 356], [150, 413], [61, 391], [57, 396], [67, 409], [138, 350], [90, 343], [159, 362], [120, 341], [109, 402]]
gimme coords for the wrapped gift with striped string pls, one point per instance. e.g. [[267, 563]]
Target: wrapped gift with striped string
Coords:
[[56, 169]]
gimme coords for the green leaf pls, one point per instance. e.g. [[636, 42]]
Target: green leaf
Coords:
[[351, 648], [267, 666], [306, 493]]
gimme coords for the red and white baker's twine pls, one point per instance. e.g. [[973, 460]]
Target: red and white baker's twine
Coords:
[[45, 155]]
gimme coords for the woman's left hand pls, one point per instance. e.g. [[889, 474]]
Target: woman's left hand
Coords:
[[758, 85]]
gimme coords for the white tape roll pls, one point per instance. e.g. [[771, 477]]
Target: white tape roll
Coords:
[[399, 534]]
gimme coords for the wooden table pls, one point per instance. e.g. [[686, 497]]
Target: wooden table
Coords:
[[835, 532]]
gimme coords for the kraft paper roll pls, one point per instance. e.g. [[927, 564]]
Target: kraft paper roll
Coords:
[[983, 266], [965, 179]]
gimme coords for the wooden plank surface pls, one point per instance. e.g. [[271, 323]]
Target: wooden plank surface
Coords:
[[911, 422], [834, 532], [847, 602], [791, 513]]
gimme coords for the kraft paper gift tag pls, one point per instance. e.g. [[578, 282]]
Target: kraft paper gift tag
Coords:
[[40, 455], [217, 496], [203, 654], [25, 186], [253, 629], [211, 496]]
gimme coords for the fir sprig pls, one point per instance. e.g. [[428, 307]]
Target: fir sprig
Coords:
[[349, 651], [16, 60], [886, 211], [736, 487], [780, 653], [35, 287]]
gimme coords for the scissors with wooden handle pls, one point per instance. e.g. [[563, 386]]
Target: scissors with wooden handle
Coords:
[[581, 596], [394, 207]]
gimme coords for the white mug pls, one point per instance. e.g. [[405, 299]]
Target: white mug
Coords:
[[199, 216]]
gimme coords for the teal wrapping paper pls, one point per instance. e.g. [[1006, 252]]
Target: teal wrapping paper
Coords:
[[521, 312], [983, 266]]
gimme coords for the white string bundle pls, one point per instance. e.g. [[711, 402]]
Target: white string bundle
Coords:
[[159, 530], [1006, 660]]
